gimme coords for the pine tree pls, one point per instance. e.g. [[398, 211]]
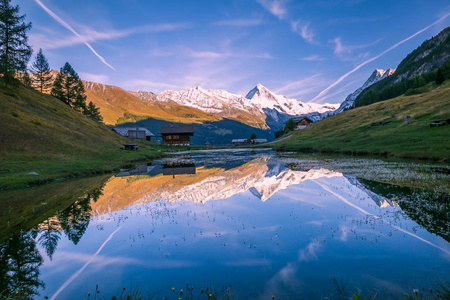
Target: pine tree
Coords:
[[80, 98], [42, 78], [93, 112], [69, 88], [14, 49]]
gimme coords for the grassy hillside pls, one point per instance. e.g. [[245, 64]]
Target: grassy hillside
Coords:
[[352, 131], [117, 106], [41, 134]]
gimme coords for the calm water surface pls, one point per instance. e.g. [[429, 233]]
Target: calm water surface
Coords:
[[259, 223]]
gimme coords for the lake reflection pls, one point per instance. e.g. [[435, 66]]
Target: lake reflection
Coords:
[[262, 224]]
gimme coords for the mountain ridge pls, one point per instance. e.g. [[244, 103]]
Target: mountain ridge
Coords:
[[261, 104]]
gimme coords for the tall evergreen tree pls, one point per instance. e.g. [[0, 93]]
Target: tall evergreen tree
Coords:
[[14, 49], [80, 98], [42, 77], [69, 88], [94, 112]]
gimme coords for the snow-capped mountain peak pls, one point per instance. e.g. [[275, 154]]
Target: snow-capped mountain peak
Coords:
[[376, 76], [260, 102]]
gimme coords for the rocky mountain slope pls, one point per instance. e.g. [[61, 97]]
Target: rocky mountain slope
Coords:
[[429, 56]]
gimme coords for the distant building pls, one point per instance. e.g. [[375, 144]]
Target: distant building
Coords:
[[177, 134], [302, 122], [136, 133], [242, 142]]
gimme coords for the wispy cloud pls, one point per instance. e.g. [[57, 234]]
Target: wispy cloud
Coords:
[[149, 85], [279, 9], [312, 57], [94, 77], [239, 22], [201, 54], [340, 79], [211, 71], [304, 31], [90, 35], [275, 7], [212, 54], [63, 23], [303, 86], [346, 52], [339, 94]]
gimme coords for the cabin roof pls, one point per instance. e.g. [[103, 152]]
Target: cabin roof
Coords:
[[124, 130], [175, 129], [299, 118]]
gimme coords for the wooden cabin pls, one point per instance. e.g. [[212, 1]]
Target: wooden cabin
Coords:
[[302, 122], [136, 133], [177, 134]]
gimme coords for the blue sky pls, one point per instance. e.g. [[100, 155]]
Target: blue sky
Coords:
[[317, 51]]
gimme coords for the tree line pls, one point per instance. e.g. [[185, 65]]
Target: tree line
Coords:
[[15, 54]]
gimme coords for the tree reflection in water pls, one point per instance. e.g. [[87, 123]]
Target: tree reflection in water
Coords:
[[20, 259], [19, 266], [73, 221]]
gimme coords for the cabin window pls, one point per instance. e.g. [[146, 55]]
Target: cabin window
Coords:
[[176, 137], [169, 137]]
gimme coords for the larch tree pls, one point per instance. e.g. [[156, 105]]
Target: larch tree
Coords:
[[42, 77], [14, 49], [94, 112], [69, 88]]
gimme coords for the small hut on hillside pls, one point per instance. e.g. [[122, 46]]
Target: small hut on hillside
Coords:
[[302, 122], [177, 134], [136, 133]]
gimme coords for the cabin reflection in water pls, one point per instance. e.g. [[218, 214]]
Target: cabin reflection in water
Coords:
[[178, 166]]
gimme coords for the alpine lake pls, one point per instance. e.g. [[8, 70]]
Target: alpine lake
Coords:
[[240, 224]]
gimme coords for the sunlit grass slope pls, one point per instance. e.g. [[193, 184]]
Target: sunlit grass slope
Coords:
[[404, 134], [117, 106], [39, 133]]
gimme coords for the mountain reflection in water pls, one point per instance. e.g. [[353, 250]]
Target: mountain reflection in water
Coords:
[[238, 218]]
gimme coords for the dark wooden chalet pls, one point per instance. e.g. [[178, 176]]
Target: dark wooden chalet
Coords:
[[302, 122], [177, 134]]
